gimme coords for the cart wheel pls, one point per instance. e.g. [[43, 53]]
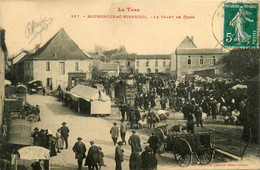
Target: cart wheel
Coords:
[[205, 156], [182, 152]]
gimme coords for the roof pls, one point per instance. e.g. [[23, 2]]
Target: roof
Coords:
[[155, 56], [88, 93], [19, 56], [202, 51], [118, 56], [187, 43], [95, 55], [59, 47]]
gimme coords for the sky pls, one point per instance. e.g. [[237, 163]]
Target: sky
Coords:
[[141, 36]]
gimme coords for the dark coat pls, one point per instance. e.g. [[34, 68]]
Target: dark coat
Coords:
[[149, 161], [135, 161], [79, 149], [135, 143], [93, 156], [64, 130], [119, 155]]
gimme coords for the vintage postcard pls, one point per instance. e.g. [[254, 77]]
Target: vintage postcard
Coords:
[[129, 84]]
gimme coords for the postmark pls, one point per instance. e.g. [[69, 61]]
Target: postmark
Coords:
[[240, 25]]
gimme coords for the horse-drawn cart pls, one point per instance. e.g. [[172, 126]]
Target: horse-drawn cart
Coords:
[[186, 147]]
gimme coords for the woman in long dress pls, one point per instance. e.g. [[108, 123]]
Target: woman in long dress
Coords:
[[58, 141], [238, 21]]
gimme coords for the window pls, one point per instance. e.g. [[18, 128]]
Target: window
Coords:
[[147, 63], [213, 60], [167, 70], [62, 67], [156, 70], [128, 63], [156, 63], [164, 63], [48, 66], [137, 63], [170, 63], [49, 81], [136, 70], [76, 66], [148, 70], [201, 59], [189, 60]]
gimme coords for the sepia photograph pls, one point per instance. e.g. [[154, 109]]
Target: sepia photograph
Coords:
[[129, 85]]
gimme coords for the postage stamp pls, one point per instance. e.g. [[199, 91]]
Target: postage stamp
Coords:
[[240, 25]]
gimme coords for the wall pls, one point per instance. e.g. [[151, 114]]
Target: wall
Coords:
[[40, 72], [142, 68], [184, 68]]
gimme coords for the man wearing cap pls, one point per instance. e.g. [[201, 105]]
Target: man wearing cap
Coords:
[[114, 131], [64, 130], [93, 157], [135, 142], [149, 161], [119, 156], [79, 149]]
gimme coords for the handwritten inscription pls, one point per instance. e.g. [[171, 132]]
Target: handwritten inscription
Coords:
[[33, 28]]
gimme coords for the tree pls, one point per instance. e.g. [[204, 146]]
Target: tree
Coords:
[[244, 64], [241, 63]]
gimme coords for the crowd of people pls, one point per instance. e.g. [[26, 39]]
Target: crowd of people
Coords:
[[192, 96]]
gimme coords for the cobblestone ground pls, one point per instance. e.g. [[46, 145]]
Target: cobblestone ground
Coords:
[[97, 129]]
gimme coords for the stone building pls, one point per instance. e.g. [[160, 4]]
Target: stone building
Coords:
[[153, 63], [188, 59], [53, 62]]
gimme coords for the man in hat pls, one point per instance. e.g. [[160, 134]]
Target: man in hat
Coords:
[[36, 137], [135, 142], [64, 130], [119, 156], [149, 161], [93, 157], [122, 109], [114, 131], [79, 149], [153, 142]]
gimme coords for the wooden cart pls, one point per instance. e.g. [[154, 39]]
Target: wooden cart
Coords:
[[186, 146]]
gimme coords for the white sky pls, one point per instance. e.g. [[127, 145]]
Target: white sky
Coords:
[[141, 36]]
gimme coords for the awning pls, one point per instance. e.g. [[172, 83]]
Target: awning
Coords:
[[87, 93], [34, 152], [19, 132]]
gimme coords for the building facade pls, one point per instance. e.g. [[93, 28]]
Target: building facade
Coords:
[[53, 62], [188, 59], [152, 63]]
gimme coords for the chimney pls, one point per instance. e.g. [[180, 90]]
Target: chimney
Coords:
[[191, 37], [37, 47]]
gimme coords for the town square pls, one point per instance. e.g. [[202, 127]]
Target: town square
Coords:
[[137, 85]]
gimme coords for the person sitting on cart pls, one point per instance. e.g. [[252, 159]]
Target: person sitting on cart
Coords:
[[190, 124], [153, 142]]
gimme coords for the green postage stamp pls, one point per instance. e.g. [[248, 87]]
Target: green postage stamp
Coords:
[[240, 25]]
